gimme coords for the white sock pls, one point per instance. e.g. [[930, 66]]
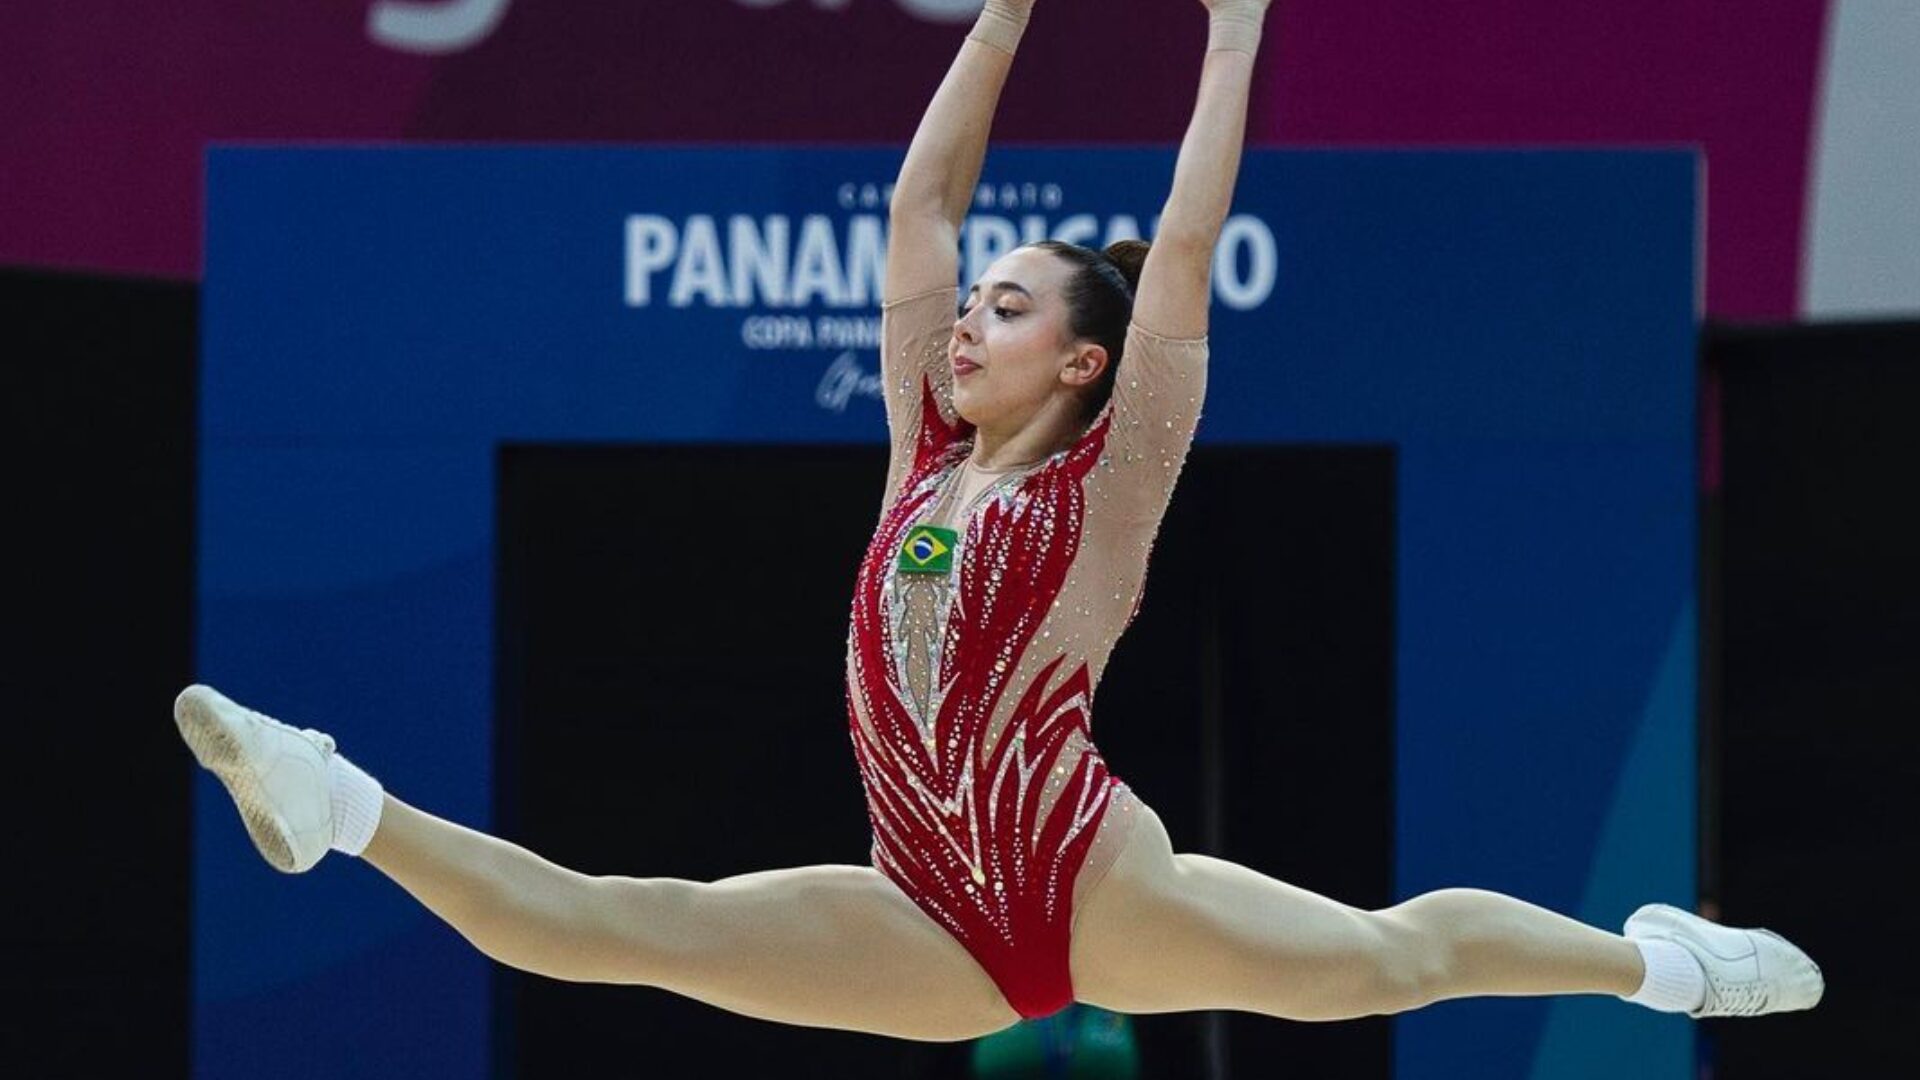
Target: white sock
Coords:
[[357, 799], [1674, 982]]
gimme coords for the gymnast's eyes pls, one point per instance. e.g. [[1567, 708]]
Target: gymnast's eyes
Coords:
[[1003, 313]]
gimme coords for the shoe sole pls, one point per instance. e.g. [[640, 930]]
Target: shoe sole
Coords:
[[218, 748]]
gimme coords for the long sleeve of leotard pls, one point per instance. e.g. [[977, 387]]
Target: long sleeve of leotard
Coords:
[[1151, 419], [914, 333], [1155, 412]]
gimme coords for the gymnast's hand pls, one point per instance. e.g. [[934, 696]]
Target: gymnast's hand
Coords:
[[1000, 25]]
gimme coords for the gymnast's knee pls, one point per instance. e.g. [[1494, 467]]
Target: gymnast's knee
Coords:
[[1414, 958], [1382, 966]]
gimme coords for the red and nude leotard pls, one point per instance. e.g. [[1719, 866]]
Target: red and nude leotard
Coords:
[[983, 615]]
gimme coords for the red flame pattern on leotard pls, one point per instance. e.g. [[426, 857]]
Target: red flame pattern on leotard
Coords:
[[957, 806], [969, 687]]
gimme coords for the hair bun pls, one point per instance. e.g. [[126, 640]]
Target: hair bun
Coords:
[[1129, 256]]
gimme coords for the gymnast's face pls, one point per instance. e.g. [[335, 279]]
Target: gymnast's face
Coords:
[[1013, 348]]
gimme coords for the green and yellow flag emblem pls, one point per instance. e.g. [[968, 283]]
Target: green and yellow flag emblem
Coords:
[[928, 549]]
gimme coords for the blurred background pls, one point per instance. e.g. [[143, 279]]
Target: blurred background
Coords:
[[1588, 387]]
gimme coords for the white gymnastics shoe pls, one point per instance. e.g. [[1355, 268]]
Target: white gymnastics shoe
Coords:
[[277, 775], [1749, 972]]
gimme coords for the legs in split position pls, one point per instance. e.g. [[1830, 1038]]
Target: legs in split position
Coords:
[[843, 947]]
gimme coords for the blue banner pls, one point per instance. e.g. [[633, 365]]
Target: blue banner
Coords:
[[1518, 324]]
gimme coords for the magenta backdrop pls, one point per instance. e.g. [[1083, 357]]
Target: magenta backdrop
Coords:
[[105, 107], [1738, 79]]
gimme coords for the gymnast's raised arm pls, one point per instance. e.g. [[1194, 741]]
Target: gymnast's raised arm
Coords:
[[930, 200], [1172, 297], [936, 181]]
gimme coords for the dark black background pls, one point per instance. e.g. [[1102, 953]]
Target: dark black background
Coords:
[[1818, 748]]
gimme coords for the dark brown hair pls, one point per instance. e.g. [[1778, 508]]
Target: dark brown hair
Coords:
[[1099, 299]]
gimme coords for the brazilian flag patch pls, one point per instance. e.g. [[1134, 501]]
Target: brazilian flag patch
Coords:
[[928, 549]]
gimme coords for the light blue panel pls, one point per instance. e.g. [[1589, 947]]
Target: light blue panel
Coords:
[[1657, 791]]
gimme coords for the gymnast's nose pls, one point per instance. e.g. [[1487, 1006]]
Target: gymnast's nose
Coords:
[[963, 332]]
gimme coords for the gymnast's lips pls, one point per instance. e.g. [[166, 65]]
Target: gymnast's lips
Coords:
[[963, 366]]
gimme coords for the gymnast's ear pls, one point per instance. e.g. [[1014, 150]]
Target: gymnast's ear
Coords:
[[1088, 364]]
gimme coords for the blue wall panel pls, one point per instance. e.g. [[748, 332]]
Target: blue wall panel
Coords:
[[1519, 324]]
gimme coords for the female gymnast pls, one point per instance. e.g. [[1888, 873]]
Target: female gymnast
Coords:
[[1035, 443]]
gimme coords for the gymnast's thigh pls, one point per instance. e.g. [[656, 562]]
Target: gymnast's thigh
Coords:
[[1107, 950], [1167, 932], [824, 946]]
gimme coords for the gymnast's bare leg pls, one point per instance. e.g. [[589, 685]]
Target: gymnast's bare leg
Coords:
[[824, 946], [1166, 932]]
